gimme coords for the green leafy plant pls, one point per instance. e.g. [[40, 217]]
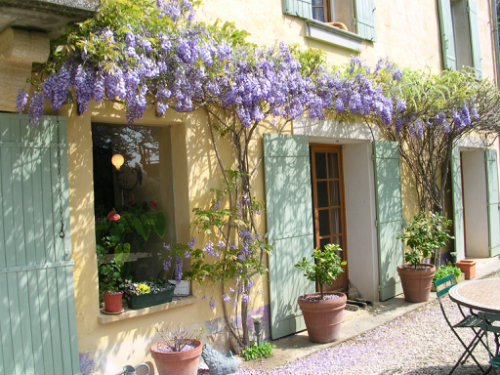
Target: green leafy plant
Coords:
[[449, 269], [424, 235], [263, 350], [326, 267]]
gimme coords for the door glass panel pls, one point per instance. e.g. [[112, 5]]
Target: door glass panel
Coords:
[[317, 3], [333, 165], [320, 165], [334, 193], [323, 242], [336, 224], [322, 193], [338, 241], [324, 223]]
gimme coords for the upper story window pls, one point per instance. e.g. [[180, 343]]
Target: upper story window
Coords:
[[460, 34], [345, 23]]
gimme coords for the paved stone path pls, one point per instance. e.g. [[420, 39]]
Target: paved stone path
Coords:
[[418, 343]]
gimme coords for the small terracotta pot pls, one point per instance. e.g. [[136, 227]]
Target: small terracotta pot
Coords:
[[323, 317], [177, 363], [417, 283], [468, 268], [112, 301]]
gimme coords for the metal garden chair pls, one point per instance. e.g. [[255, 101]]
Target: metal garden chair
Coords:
[[488, 325], [469, 321]]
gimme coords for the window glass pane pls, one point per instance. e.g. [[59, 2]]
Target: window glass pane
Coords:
[[323, 242], [338, 241], [318, 14], [322, 187], [333, 165], [320, 165], [324, 224], [317, 3]]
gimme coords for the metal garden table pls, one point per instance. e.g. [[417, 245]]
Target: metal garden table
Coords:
[[478, 295]]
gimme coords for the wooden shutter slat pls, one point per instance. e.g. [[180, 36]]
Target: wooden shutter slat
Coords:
[[493, 201], [447, 35], [475, 39], [389, 216], [365, 19], [457, 203], [298, 8]]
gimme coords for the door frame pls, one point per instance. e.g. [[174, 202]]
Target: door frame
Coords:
[[322, 147]]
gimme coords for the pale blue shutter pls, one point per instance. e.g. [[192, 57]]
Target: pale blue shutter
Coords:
[[458, 208], [447, 35], [365, 19], [389, 216], [493, 201], [289, 226], [299, 8], [38, 320], [474, 39]]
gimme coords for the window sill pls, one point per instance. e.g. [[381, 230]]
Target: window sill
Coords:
[[129, 314], [333, 35]]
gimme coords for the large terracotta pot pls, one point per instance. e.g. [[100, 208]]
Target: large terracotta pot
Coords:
[[112, 302], [323, 317], [417, 283], [177, 363]]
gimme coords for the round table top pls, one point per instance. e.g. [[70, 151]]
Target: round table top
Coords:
[[482, 294]]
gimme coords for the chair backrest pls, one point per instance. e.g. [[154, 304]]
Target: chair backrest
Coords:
[[444, 284]]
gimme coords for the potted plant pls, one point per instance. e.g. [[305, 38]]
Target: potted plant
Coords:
[[424, 235], [323, 312], [147, 293], [177, 353], [109, 280]]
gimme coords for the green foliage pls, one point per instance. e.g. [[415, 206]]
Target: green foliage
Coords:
[[263, 350], [326, 267], [449, 269], [424, 235]]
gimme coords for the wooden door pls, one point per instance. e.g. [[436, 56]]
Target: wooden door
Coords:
[[328, 204]]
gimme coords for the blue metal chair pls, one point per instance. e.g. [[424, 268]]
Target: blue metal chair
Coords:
[[488, 326], [470, 321]]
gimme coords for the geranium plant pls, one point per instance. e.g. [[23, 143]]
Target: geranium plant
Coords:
[[324, 268]]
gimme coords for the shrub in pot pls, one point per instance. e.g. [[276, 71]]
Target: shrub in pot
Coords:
[[323, 312], [177, 353], [424, 236]]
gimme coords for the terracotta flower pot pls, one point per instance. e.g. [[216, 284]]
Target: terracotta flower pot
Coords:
[[468, 268], [417, 283], [323, 317], [112, 301], [177, 363]]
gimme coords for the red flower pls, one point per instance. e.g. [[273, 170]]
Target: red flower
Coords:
[[131, 203], [153, 204], [113, 216]]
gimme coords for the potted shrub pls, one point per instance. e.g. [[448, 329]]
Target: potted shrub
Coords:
[[177, 353], [424, 235], [109, 281], [323, 312], [147, 293]]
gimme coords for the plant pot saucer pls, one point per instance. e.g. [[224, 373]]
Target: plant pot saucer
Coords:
[[103, 311]]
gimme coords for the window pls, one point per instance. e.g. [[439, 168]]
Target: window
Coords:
[[133, 176], [352, 20], [460, 34]]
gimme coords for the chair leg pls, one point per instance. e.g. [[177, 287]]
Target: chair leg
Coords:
[[468, 352]]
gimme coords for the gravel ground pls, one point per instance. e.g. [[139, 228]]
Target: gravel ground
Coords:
[[419, 342]]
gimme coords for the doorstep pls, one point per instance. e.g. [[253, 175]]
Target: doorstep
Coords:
[[356, 323]]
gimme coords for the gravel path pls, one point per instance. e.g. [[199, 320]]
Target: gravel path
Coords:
[[419, 342]]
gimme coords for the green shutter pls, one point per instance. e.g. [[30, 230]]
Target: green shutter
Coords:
[[38, 321], [299, 8], [447, 35], [289, 226], [457, 201], [474, 39], [365, 19], [389, 216], [493, 201]]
